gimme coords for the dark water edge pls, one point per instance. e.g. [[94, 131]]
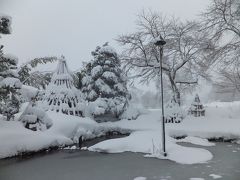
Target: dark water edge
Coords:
[[85, 165], [91, 142], [85, 143]]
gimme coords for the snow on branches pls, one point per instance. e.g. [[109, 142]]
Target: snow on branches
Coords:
[[9, 82], [174, 113], [35, 118], [104, 84]]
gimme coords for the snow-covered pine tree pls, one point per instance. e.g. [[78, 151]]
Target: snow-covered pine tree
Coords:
[[9, 82], [104, 84], [29, 76], [173, 112], [61, 94], [196, 108]]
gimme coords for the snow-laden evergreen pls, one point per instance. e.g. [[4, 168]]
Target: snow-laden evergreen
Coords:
[[173, 112], [9, 82], [104, 84], [61, 94]]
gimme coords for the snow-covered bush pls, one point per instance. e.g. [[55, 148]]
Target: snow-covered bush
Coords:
[[104, 84], [27, 93], [173, 112], [133, 111], [35, 118]]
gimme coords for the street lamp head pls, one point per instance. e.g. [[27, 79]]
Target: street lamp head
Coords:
[[159, 41]]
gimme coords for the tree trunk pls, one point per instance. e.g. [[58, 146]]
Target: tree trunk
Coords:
[[176, 93]]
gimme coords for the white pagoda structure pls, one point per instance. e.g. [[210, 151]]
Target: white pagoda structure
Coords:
[[61, 95], [197, 108]]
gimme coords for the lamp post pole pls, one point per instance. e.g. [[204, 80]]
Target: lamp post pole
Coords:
[[160, 43]]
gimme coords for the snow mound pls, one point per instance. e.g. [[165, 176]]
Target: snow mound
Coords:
[[28, 92], [149, 142], [196, 141], [215, 176], [140, 178], [221, 121], [133, 111], [10, 82], [15, 139]]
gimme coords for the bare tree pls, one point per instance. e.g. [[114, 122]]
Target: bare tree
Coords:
[[223, 16], [229, 79], [222, 20], [185, 53]]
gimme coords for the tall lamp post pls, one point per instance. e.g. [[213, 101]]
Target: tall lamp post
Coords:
[[160, 43]]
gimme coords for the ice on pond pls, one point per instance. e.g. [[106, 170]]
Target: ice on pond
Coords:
[[215, 176], [140, 178]]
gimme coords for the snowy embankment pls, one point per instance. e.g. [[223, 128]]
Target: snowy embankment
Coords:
[[146, 138], [15, 139], [221, 120]]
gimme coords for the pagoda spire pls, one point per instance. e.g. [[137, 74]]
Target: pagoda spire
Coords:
[[197, 108], [62, 75]]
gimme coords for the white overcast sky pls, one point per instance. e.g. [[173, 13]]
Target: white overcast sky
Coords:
[[75, 27]]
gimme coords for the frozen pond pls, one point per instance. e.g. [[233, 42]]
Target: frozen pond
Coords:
[[83, 165]]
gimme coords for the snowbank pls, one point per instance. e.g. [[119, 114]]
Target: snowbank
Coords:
[[150, 142], [221, 120], [66, 129], [15, 139], [196, 141]]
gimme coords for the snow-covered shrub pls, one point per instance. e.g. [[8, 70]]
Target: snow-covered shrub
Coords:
[[173, 112], [104, 84], [35, 118], [27, 93], [133, 111]]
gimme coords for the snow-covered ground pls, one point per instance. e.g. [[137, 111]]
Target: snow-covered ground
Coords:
[[221, 120], [15, 139]]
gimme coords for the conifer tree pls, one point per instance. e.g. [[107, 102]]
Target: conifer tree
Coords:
[[104, 84], [9, 82]]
